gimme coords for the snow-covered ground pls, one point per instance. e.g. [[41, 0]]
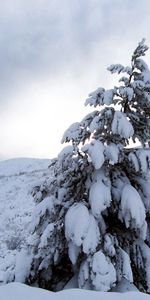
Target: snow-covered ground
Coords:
[[17, 177], [17, 291]]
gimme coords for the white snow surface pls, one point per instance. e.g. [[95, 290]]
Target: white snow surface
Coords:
[[122, 126], [126, 92], [72, 133], [100, 97], [77, 221], [103, 273], [99, 198], [92, 237], [17, 178], [83, 232], [124, 264], [17, 291], [18, 166], [66, 151], [112, 153], [132, 209], [96, 152], [73, 252]]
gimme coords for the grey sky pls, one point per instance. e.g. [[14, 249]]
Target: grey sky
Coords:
[[61, 47]]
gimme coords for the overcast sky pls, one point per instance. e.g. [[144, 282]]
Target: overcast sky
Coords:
[[52, 54]]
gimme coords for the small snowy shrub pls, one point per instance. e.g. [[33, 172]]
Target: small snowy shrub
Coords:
[[92, 217]]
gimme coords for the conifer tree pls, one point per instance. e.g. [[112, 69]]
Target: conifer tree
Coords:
[[92, 217]]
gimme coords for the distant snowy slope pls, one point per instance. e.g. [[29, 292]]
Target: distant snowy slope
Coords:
[[17, 178], [17, 291], [17, 166]]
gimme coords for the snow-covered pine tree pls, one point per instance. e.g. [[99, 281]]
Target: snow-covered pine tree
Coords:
[[92, 217]]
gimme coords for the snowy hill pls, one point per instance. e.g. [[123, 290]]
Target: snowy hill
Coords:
[[17, 291], [18, 166], [17, 178]]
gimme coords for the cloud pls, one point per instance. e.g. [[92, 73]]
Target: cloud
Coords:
[[55, 36], [68, 44]]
